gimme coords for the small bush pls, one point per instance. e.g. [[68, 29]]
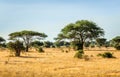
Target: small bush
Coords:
[[79, 54], [16, 46], [106, 55], [40, 50]]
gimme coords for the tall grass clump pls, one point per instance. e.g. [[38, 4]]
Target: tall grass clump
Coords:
[[79, 54], [40, 50]]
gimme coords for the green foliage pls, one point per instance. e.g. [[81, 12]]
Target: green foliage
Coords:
[[101, 41], [37, 43], [116, 42], [40, 50], [61, 43], [2, 42], [2, 39], [77, 45], [16, 46], [87, 44], [3, 45], [27, 37], [107, 44], [92, 45], [48, 44], [79, 54], [106, 55], [117, 46], [80, 32]]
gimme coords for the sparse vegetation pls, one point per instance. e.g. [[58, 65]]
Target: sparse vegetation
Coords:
[[79, 54], [40, 50], [57, 64], [116, 42], [79, 32], [73, 37], [27, 37], [2, 42], [16, 47], [101, 42], [106, 55]]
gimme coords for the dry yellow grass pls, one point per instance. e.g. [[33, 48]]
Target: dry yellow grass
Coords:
[[54, 63]]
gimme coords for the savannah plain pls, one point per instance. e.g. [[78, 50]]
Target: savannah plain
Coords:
[[55, 63]]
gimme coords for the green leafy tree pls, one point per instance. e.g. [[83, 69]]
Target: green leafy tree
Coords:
[[80, 32], [2, 39], [61, 43], [27, 37], [116, 42], [16, 46], [48, 44], [101, 41], [107, 44], [2, 42], [37, 43]]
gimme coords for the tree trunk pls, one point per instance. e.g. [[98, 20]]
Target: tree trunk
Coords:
[[17, 53], [27, 48], [80, 46]]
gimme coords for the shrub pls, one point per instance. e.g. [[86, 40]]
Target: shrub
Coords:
[[16, 46], [106, 55], [40, 50], [79, 54]]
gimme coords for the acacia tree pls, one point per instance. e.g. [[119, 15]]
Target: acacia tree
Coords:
[[2, 39], [116, 42], [2, 42], [80, 32], [27, 37]]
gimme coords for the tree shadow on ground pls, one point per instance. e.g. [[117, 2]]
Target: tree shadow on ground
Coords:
[[30, 57]]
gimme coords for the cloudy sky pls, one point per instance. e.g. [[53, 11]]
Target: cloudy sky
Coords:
[[50, 16]]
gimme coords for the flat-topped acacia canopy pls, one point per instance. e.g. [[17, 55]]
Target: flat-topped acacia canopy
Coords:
[[27, 36], [80, 31]]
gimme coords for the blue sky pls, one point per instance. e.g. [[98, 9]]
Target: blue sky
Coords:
[[50, 16]]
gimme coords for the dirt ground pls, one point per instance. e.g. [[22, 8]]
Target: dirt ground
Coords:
[[55, 63]]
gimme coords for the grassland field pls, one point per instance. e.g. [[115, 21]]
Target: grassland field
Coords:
[[55, 63]]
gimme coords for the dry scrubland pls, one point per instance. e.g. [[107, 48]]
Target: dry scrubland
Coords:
[[54, 63]]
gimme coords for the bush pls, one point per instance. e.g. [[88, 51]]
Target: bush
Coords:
[[106, 55], [16, 46], [79, 54], [40, 50]]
